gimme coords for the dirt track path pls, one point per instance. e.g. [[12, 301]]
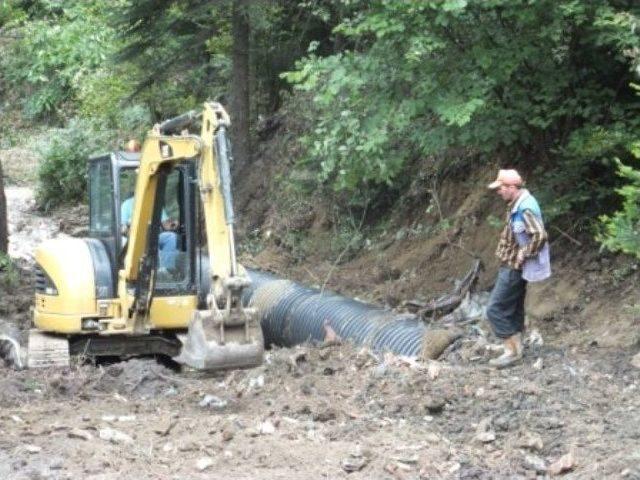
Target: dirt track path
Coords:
[[27, 228]]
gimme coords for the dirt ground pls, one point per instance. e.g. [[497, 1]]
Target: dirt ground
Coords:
[[572, 407]]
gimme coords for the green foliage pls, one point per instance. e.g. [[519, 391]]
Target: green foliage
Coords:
[[9, 274], [57, 52], [583, 182], [11, 13], [528, 81], [62, 170], [621, 230]]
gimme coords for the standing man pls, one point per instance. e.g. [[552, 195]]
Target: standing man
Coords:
[[523, 251]]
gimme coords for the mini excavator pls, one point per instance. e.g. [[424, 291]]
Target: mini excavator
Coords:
[[117, 293]]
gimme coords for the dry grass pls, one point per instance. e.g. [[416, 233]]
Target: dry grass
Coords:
[[20, 166]]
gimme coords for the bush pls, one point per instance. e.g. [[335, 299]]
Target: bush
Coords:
[[62, 173], [621, 231]]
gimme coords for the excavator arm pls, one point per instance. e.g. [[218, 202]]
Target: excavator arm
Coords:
[[225, 334]]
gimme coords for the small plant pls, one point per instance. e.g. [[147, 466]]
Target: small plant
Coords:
[[9, 274], [621, 231], [495, 222]]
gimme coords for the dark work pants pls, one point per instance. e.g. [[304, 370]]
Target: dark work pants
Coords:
[[506, 304]]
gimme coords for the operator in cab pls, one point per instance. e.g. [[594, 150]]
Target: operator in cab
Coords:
[[168, 238]]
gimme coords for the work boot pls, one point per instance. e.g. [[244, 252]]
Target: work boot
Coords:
[[512, 353]]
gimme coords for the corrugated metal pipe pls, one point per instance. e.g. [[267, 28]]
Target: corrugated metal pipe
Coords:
[[292, 314]]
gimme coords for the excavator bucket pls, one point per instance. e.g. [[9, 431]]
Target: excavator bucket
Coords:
[[213, 344]]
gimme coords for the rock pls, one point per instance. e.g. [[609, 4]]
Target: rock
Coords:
[[304, 410], [433, 370], [168, 447], [502, 423], [297, 359], [435, 341], [330, 335], [204, 463], [166, 426], [434, 404], [114, 436], [227, 435], [563, 464], [256, 383], [56, 463], [534, 462], [629, 473], [379, 371], [534, 339], [81, 434], [32, 448], [307, 387], [214, 402], [266, 428], [355, 461], [450, 467], [635, 360], [325, 414], [484, 432], [538, 364], [531, 441], [406, 459], [551, 423], [432, 438], [486, 437]]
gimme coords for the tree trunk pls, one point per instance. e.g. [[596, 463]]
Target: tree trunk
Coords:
[[240, 114], [4, 237]]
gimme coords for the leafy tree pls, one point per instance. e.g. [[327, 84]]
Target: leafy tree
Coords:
[[230, 50], [58, 49], [528, 82]]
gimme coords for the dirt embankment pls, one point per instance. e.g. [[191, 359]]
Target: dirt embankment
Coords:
[[425, 248]]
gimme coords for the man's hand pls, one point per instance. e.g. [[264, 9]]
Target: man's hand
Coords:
[[520, 258], [170, 225]]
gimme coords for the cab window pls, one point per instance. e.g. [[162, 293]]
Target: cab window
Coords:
[[101, 215]]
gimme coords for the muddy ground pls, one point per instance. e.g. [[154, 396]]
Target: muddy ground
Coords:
[[572, 407]]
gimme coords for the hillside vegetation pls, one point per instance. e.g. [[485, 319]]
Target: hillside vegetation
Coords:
[[385, 100]]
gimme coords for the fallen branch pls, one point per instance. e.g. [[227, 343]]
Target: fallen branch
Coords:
[[449, 302], [567, 236]]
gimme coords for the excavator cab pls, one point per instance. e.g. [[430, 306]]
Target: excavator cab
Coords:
[[158, 272], [112, 180]]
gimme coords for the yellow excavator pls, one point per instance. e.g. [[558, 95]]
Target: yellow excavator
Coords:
[[163, 280]]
